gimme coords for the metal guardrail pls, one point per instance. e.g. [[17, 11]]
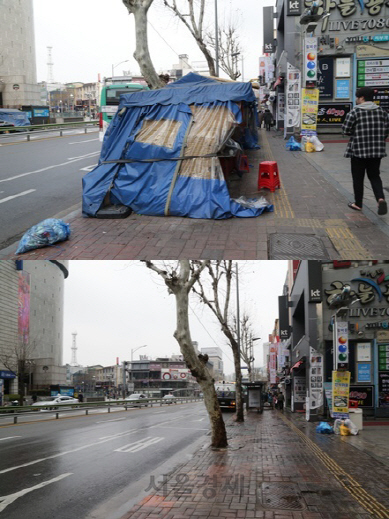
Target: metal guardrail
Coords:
[[28, 410], [44, 128]]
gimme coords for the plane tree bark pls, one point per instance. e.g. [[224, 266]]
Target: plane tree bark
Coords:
[[180, 282], [139, 8]]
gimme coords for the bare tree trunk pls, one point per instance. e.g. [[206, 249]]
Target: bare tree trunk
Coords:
[[180, 284], [139, 9]]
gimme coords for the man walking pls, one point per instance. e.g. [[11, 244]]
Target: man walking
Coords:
[[368, 125]]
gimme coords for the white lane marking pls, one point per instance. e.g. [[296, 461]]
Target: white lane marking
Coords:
[[82, 142], [88, 168], [106, 439], [201, 419], [9, 437], [160, 412], [69, 161], [91, 154], [116, 420], [7, 500], [2, 200], [139, 445]]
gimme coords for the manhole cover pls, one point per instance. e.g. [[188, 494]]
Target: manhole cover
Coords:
[[282, 496], [296, 246]]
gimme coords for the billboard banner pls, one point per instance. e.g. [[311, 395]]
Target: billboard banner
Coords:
[[268, 30], [24, 307], [341, 346], [340, 393], [309, 108], [315, 379], [310, 59], [293, 98], [325, 77]]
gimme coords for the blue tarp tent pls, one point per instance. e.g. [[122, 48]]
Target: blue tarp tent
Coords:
[[160, 153], [14, 117]]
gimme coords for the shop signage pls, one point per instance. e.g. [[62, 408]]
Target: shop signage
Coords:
[[299, 390], [373, 72], [383, 389], [363, 373], [7, 374], [341, 345], [293, 7], [328, 392], [333, 114], [283, 315], [16, 86], [310, 58], [315, 379], [379, 324], [363, 352], [343, 67], [364, 395], [340, 393], [325, 74], [309, 108], [342, 88], [382, 336], [383, 356], [268, 30], [368, 51], [293, 97], [314, 282]]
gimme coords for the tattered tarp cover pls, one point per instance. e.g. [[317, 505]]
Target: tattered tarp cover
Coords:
[[192, 117], [15, 117]]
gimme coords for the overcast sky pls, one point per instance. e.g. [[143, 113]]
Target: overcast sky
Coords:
[[116, 306], [89, 36]]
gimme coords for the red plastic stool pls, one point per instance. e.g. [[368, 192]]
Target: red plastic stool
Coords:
[[268, 175], [244, 163]]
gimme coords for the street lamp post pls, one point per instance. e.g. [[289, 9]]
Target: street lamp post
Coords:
[[135, 349], [114, 66], [216, 42]]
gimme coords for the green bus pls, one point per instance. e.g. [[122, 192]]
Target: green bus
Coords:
[[110, 99]]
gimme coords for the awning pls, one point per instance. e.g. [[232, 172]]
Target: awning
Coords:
[[297, 365]]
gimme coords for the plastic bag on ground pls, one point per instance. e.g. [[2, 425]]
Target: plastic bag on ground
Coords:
[[344, 430], [324, 428], [319, 146], [293, 145], [252, 202], [353, 428], [44, 233], [337, 425], [309, 147], [304, 141]]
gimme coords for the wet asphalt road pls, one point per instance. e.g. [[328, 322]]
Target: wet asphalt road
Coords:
[[96, 465], [42, 178]]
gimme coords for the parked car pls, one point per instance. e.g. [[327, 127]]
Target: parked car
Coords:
[[55, 401], [169, 399], [137, 397]]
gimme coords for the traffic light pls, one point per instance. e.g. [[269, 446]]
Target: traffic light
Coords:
[[341, 349]]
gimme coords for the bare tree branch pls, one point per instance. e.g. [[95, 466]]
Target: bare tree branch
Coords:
[[229, 49]]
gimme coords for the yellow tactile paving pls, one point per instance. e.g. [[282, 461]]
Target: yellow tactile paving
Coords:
[[365, 499]]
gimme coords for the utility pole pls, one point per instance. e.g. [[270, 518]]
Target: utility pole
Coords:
[[216, 41], [237, 308], [124, 379]]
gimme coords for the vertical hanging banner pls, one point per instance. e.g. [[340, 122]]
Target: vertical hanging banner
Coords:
[[340, 393], [293, 94], [309, 109], [268, 29], [310, 59], [315, 379], [273, 363], [341, 346]]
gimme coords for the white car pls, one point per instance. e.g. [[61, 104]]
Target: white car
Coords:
[[169, 399], [54, 401], [136, 398]]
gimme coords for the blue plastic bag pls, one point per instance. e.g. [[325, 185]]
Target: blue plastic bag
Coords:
[[44, 233], [324, 428], [293, 145]]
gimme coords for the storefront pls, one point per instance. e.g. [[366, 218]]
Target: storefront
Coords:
[[367, 321]]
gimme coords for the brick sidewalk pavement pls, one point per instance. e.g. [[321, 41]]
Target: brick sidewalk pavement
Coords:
[[271, 470], [307, 207]]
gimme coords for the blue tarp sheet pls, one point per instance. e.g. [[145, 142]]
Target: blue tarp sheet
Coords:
[[151, 130], [15, 117]]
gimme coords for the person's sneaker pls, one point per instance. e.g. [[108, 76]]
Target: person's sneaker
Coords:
[[382, 207]]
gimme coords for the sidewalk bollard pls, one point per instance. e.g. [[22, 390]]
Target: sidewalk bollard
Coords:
[[86, 411], [56, 416], [109, 408], [15, 419]]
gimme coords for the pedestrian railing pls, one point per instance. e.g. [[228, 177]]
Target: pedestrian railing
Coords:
[[45, 128], [28, 410]]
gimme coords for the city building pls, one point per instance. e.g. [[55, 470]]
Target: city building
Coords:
[[18, 82], [215, 357], [323, 297], [31, 322]]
